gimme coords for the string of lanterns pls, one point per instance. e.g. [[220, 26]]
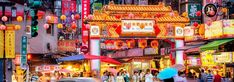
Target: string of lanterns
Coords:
[[16, 27]]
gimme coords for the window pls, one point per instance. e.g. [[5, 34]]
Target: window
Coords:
[[50, 30]]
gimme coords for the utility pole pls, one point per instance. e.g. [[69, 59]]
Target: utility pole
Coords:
[[4, 4]]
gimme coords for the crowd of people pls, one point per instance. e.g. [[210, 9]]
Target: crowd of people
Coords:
[[124, 76]]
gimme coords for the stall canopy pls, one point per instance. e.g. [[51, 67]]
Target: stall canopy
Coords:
[[215, 44], [78, 57], [89, 57], [184, 48]]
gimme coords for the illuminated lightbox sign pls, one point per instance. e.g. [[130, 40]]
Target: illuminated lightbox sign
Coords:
[[94, 31], [138, 26]]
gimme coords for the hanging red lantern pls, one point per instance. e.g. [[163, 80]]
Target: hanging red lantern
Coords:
[[46, 26], [195, 24], [198, 13], [208, 23], [77, 16], [154, 44], [73, 25], [131, 43], [156, 30], [90, 17], [87, 26], [142, 43], [117, 16], [118, 44], [4, 18]]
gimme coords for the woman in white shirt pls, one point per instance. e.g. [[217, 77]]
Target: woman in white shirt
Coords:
[[135, 77], [119, 77], [148, 76]]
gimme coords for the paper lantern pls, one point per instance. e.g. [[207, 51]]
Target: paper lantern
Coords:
[[117, 16], [63, 17], [90, 17], [195, 24], [142, 26], [142, 43], [77, 16], [73, 25], [144, 15], [154, 44], [131, 43], [17, 27], [130, 15], [198, 13], [60, 25], [48, 18], [46, 26], [185, 14], [201, 30], [2, 27], [4, 18], [19, 18], [87, 26], [118, 44], [224, 10]]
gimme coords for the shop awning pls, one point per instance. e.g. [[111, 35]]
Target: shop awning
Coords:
[[78, 57], [197, 49], [183, 48], [215, 44], [110, 60]]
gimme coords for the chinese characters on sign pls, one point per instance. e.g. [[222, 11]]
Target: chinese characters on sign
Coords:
[[84, 13], [24, 42], [68, 6], [1, 43], [10, 43], [67, 45], [192, 9]]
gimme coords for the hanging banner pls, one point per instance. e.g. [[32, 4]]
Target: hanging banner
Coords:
[[23, 58], [224, 57], [1, 43], [68, 6], [215, 30], [138, 27], [84, 14], [67, 45], [228, 28], [10, 43]]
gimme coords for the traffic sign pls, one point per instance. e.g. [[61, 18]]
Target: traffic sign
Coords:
[[24, 42]]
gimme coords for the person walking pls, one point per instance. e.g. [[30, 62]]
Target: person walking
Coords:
[[141, 76], [148, 76], [135, 77], [126, 77], [202, 76], [217, 77], [180, 78], [119, 77], [105, 77], [209, 77], [111, 77]]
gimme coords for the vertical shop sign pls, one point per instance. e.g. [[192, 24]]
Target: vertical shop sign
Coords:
[[192, 9], [1, 43], [10, 43], [84, 13], [24, 41], [68, 6]]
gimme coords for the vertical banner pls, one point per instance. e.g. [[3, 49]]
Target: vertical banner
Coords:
[[84, 13], [23, 63], [1, 43], [192, 9], [10, 43]]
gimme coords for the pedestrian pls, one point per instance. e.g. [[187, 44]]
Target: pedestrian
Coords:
[[217, 77], [34, 78], [148, 76], [141, 75], [126, 76], [202, 76], [209, 77], [119, 77], [105, 77], [135, 77], [111, 77], [180, 77]]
